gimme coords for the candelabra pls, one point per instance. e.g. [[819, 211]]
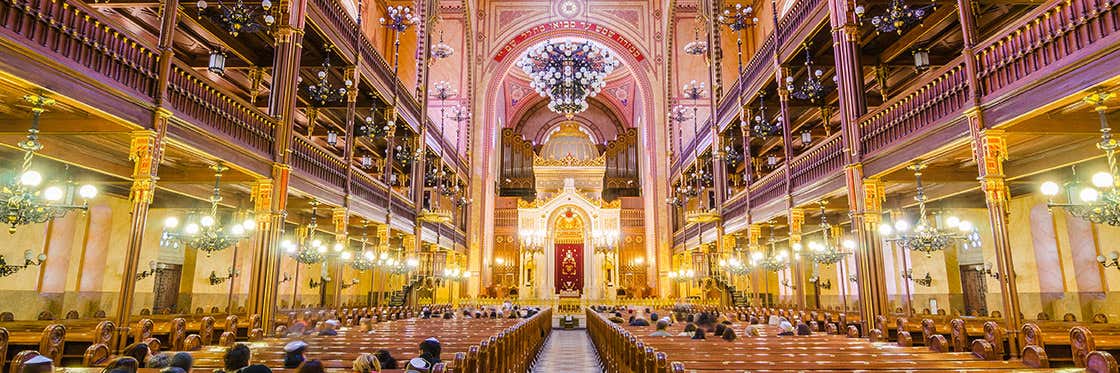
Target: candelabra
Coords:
[[761, 125], [26, 200], [284, 278], [811, 89], [682, 275], [230, 275], [323, 92], [926, 237], [605, 241], [441, 49], [203, 231], [896, 17], [816, 280], [696, 47], [153, 269], [926, 281], [239, 17], [1113, 260], [29, 260], [986, 269], [1100, 202]]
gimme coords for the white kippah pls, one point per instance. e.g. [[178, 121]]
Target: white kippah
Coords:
[[38, 359], [432, 339], [294, 345]]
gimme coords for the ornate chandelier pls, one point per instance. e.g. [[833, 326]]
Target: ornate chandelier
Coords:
[[27, 199], [761, 125], [203, 231], [775, 260], [827, 253], [735, 266], [896, 17], [1100, 202], [323, 92], [927, 237], [811, 89], [605, 240], [568, 72], [441, 49], [308, 249], [240, 17]]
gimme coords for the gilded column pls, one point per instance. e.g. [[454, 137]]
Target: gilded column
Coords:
[[797, 264], [755, 240], [146, 152], [866, 196], [340, 217], [849, 70], [990, 151]]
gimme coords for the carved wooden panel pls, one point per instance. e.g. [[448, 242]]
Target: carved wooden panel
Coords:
[[517, 164], [621, 177]]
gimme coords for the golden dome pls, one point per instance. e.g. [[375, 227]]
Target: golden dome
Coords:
[[569, 142]]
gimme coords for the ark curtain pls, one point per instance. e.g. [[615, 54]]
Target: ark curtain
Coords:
[[569, 268]]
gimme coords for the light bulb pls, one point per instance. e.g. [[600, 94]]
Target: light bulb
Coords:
[[346, 255], [31, 178], [53, 193], [1089, 195], [249, 224], [191, 228], [966, 226], [885, 229], [317, 243], [337, 247], [1050, 188], [368, 255], [1102, 180], [322, 249], [901, 226], [87, 191], [237, 230], [384, 256], [206, 221], [171, 222], [952, 221], [849, 244]]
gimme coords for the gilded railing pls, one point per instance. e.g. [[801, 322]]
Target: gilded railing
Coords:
[[317, 162], [66, 32], [916, 109], [824, 159], [212, 109], [1052, 32]]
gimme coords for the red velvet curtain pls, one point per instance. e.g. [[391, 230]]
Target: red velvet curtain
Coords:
[[569, 268]]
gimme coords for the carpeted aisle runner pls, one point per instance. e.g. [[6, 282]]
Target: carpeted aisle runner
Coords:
[[568, 351]]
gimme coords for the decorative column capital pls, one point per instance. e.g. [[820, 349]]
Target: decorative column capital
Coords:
[[990, 151], [873, 196], [145, 151], [261, 195], [340, 216]]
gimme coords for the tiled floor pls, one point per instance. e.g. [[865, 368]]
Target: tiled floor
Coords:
[[568, 351]]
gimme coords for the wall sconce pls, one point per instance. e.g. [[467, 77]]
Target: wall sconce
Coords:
[[350, 284], [153, 269], [926, 281], [786, 283], [827, 284], [217, 62], [230, 274], [500, 261], [29, 260], [772, 160], [806, 138], [366, 161], [639, 261], [853, 278], [285, 278], [314, 284], [986, 269], [921, 59], [332, 138], [1113, 260]]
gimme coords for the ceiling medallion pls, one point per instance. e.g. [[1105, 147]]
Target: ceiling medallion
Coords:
[[568, 72], [569, 8]]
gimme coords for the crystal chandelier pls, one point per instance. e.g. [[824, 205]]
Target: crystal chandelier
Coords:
[[367, 259], [776, 260], [735, 266], [827, 253], [605, 240], [761, 125], [696, 47], [239, 18], [27, 198], [811, 89], [400, 17], [308, 249], [927, 237], [896, 17], [1100, 202], [29, 260], [568, 72], [203, 231], [441, 49], [323, 92]]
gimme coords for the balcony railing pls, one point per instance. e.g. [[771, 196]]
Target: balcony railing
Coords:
[[364, 187], [769, 187], [943, 95], [822, 160], [65, 31], [317, 162], [212, 109]]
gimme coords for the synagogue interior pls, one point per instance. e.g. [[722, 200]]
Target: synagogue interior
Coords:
[[631, 186]]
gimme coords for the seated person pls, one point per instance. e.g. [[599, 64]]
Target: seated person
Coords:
[[728, 334], [237, 360], [803, 329], [160, 360], [365, 325], [293, 354], [182, 360], [699, 334], [429, 356], [638, 321], [654, 316], [661, 332], [297, 327], [310, 366], [386, 359], [689, 330], [719, 329], [138, 351], [752, 331], [122, 364], [366, 363], [448, 315], [329, 328], [38, 364], [616, 318], [315, 329], [785, 327]]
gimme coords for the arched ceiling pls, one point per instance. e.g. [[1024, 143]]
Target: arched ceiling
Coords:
[[612, 110]]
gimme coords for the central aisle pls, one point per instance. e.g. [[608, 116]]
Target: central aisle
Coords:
[[568, 351]]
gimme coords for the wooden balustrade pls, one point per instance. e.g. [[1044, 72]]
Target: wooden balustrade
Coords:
[[794, 20], [769, 187], [203, 104], [1053, 32], [338, 22], [824, 159], [366, 188], [921, 107], [67, 31], [317, 162]]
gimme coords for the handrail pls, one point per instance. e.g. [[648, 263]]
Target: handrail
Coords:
[[819, 161], [944, 93], [317, 162], [214, 109], [769, 187]]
